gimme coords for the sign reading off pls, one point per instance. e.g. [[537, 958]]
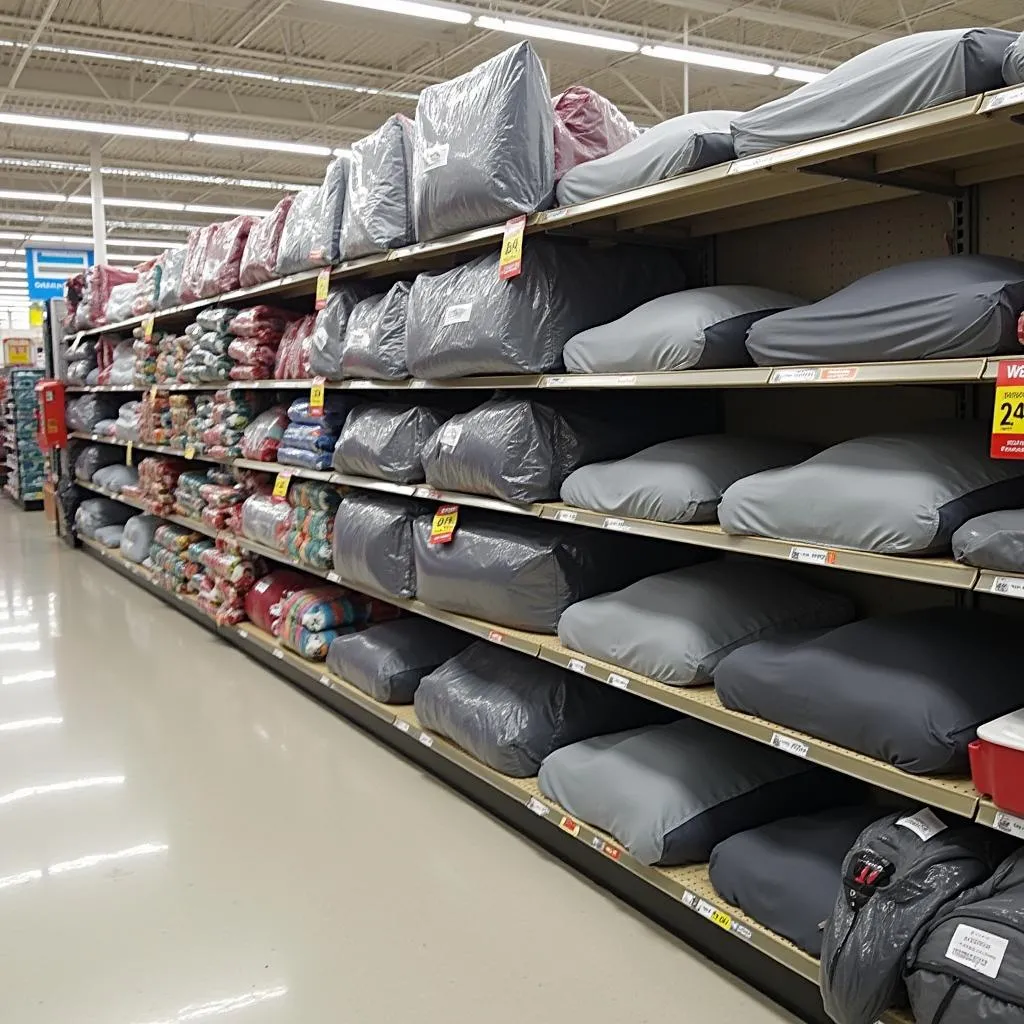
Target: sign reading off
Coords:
[[48, 269]]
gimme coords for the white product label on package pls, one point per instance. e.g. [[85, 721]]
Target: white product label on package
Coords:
[[360, 336], [925, 824], [980, 951], [1010, 824], [789, 745], [433, 157], [1008, 586], [459, 313], [450, 434]]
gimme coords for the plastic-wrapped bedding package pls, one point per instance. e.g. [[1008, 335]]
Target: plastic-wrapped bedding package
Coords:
[[484, 146], [786, 874], [170, 279], [903, 493], [676, 627], [992, 541], [312, 618], [587, 126], [670, 793], [223, 262], [466, 321], [375, 336], [199, 242], [699, 329], [313, 224], [312, 438], [1013, 62], [86, 411], [967, 965], [944, 308], [266, 520], [680, 144], [264, 601], [128, 417], [293, 352], [678, 481], [524, 574], [94, 513], [332, 417], [109, 536], [510, 711], [901, 872], [137, 538], [93, 457], [378, 204], [331, 322], [116, 477], [898, 77], [373, 543], [909, 689], [388, 660], [386, 441], [520, 450], [259, 259]]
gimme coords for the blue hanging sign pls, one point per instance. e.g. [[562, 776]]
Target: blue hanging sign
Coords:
[[48, 269]]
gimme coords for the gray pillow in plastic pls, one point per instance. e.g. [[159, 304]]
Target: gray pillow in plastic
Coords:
[[373, 543], [680, 481], [510, 710], [388, 660], [895, 78], [675, 146], [903, 493], [787, 874], [170, 278], [109, 536], [993, 541], [328, 341], [94, 457], [899, 874], [137, 538], [1013, 62], [466, 321], [375, 336], [524, 574], [85, 412], [908, 689], [313, 225], [968, 966], [95, 513], [484, 146], [115, 477], [944, 308], [386, 441], [676, 627], [669, 794], [378, 206], [700, 329]]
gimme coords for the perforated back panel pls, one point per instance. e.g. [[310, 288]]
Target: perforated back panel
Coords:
[[1001, 220]]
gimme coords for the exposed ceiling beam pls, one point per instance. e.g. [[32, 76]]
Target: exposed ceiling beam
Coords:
[[26, 54]]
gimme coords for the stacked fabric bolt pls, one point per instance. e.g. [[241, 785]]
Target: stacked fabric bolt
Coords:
[[230, 575], [146, 354], [292, 361], [312, 618], [117, 366], [264, 602], [187, 500], [208, 360], [229, 414], [262, 437], [301, 526], [257, 337], [309, 440], [155, 418], [174, 558], [172, 350], [200, 422], [158, 477], [182, 411]]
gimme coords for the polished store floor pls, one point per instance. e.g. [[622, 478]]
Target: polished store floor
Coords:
[[187, 838]]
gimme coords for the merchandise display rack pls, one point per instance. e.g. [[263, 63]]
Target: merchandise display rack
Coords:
[[19, 440], [947, 152]]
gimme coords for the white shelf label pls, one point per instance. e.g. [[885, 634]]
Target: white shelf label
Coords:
[[795, 375], [325, 681], [401, 726], [812, 556], [1008, 586], [334, 577], [979, 950], [789, 745], [565, 516], [244, 634], [537, 807], [753, 163], [578, 666], [924, 824], [615, 679], [626, 380], [1010, 824], [689, 898], [1003, 99], [612, 523], [427, 741], [554, 382], [416, 384], [278, 654]]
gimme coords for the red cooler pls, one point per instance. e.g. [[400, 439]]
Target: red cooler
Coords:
[[997, 762]]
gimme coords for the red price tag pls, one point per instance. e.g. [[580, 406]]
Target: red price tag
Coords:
[[1008, 414], [446, 518], [510, 263]]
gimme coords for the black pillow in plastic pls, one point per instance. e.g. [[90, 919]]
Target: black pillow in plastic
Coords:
[[93, 457]]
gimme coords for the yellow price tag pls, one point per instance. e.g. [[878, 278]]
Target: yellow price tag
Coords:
[[316, 396], [128, 454], [323, 287], [281, 485], [153, 393], [147, 328], [722, 919], [1008, 411], [190, 452], [446, 518], [510, 263]]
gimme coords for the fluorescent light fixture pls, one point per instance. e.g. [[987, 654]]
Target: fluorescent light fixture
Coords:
[[799, 74], [19, 274], [97, 127], [139, 243], [436, 12], [90, 861], [235, 211], [343, 151], [271, 145], [557, 34], [32, 197], [686, 55], [142, 204], [29, 723]]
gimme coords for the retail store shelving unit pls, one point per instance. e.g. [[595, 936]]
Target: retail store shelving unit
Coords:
[[928, 183], [22, 457]]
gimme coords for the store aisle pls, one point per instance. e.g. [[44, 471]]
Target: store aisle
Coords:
[[186, 837]]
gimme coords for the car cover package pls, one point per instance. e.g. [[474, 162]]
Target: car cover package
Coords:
[[677, 626], [510, 710], [669, 148], [909, 689], [524, 574], [992, 541], [313, 224], [331, 324], [378, 207], [671, 793], [375, 336], [467, 321], [899, 874], [898, 77], [484, 146], [902, 493], [944, 308], [968, 966], [520, 450], [386, 441]]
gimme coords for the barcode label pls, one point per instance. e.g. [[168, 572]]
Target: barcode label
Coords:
[[565, 516], [979, 950], [1010, 824], [616, 680], [537, 807], [812, 556], [789, 745], [578, 666], [1008, 586]]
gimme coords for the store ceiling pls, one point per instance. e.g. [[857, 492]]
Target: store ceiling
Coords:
[[322, 73]]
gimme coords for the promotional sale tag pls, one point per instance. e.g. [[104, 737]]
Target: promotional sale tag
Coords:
[[147, 328], [316, 396], [323, 286], [443, 527], [510, 263], [281, 485], [1008, 414]]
